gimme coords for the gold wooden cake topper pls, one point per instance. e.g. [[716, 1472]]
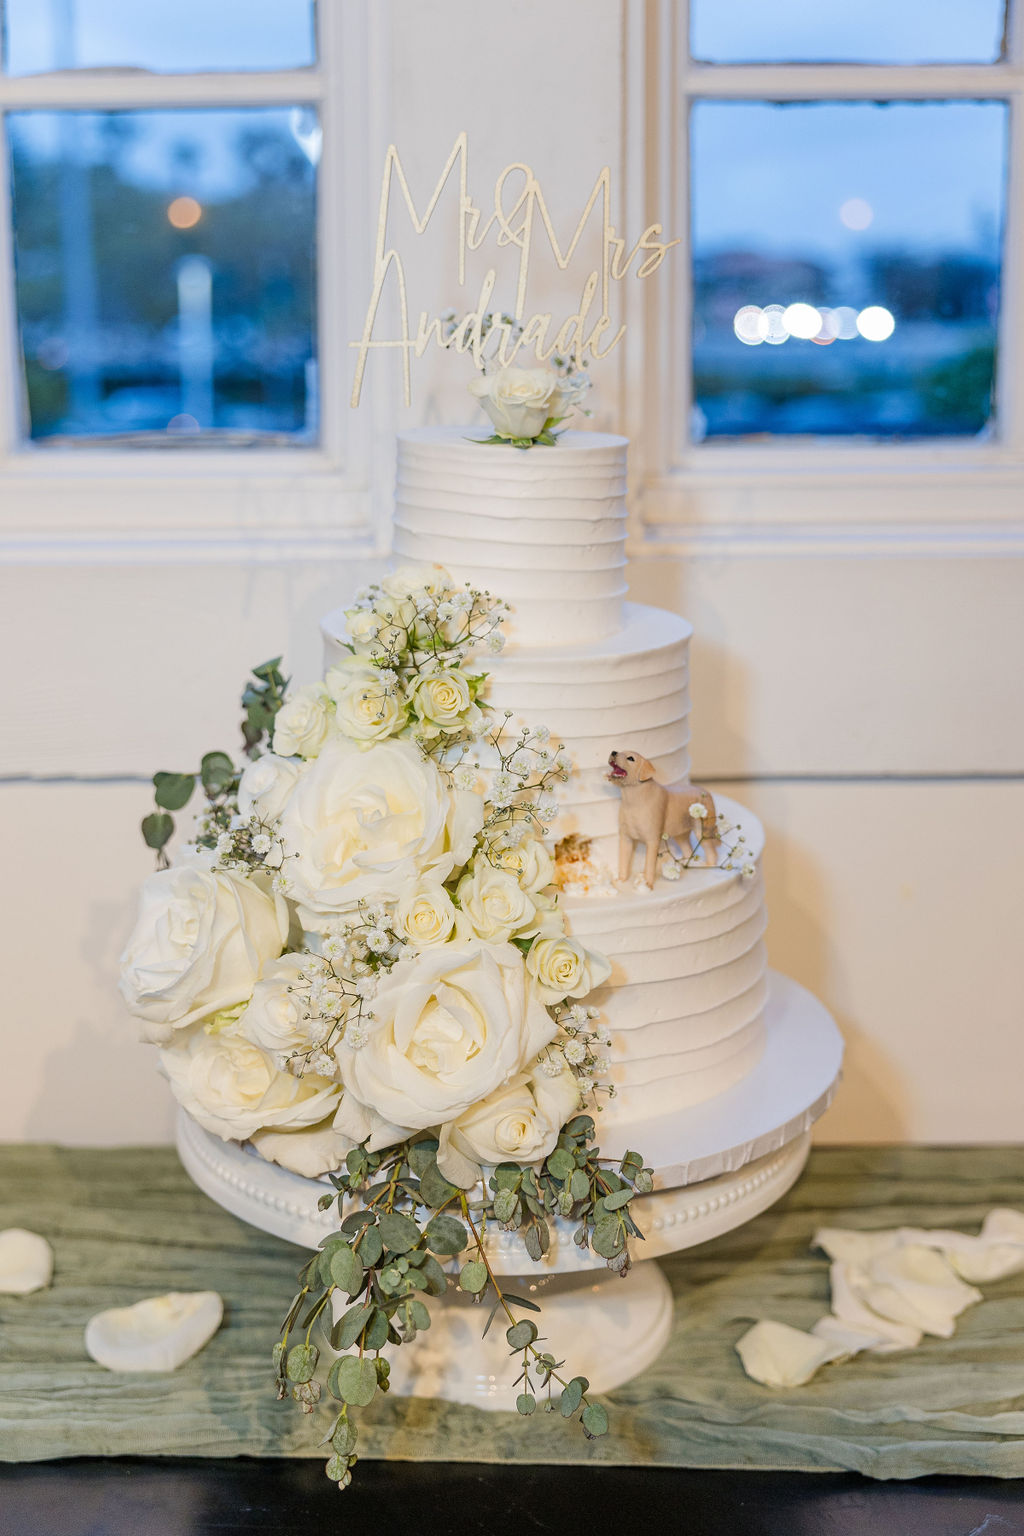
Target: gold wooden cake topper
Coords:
[[578, 336]]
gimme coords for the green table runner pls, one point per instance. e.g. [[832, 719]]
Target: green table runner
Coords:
[[128, 1223]]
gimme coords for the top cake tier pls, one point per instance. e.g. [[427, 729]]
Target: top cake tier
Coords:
[[544, 527]]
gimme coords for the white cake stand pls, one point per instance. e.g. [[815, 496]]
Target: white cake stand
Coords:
[[717, 1166]]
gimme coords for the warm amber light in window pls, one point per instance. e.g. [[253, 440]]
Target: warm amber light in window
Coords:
[[184, 212]]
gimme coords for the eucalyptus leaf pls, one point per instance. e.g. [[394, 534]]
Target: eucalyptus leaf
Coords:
[[217, 770], [346, 1270], [400, 1233], [343, 1440], [571, 1398], [617, 1199], [435, 1189], [473, 1277], [421, 1155], [157, 829], [350, 1325], [302, 1362], [437, 1280], [595, 1420], [507, 1176], [446, 1235], [561, 1163], [505, 1202], [357, 1380], [521, 1334], [608, 1237], [579, 1185], [173, 790], [376, 1335], [526, 1403], [370, 1246], [419, 1315]]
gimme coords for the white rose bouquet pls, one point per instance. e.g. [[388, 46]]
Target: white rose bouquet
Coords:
[[360, 966]]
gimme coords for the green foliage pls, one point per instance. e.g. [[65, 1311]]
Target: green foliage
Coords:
[[172, 791], [397, 1230], [262, 697], [157, 830]]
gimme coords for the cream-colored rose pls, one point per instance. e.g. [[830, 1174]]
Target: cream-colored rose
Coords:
[[519, 401], [277, 1018], [320, 1149], [531, 863], [494, 904], [361, 823], [305, 723], [450, 1025], [200, 941], [518, 1123], [443, 704], [233, 1087], [562, 967], [409, 580], [424, 914], [366, 709], [265, 786]]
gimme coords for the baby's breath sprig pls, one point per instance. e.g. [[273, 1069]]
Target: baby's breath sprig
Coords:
[[582, 1043], [728, 833], [521, 800]]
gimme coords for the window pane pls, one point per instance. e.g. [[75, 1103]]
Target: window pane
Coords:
[[882, 224], [165, 269], [869, 31], [165, 36]]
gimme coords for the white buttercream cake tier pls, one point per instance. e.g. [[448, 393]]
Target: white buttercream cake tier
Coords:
[[544, 527]]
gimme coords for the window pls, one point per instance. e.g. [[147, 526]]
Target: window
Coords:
[[183, 252], [836, 360], [847, 252]]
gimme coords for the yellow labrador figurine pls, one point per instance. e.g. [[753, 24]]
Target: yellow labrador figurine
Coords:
[[650, 813]]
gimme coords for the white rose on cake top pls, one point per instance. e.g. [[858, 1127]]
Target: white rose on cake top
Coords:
[[278, 1018], [233, 1087], [519, 1123], [443, 704], [521, 402], [202, 936], [494, 906], [450, 1025], [360, 823]]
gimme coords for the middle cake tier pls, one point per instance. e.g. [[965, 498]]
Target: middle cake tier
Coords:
[[628, 690]]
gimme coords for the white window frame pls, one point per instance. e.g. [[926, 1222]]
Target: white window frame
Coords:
[[105, 504], [799, 494]]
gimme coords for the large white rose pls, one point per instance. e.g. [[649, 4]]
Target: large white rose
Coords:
[[265, 786], [365, 709], [233, 1088], [278, 1016], [519, 401], [449, 1026], [563, 967], [443, 704], [518, 1123], [201, 938], [408, 580], [494, 905], [305, 723], [424, 914], [360, 824], [320, 1149]]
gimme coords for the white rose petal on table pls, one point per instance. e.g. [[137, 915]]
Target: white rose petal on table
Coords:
[[26, 1262], [158, 1334]]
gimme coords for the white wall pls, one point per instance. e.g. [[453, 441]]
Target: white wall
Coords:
[[817, 677]]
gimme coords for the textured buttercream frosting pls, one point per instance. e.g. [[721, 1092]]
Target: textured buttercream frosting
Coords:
[[545, 529]]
